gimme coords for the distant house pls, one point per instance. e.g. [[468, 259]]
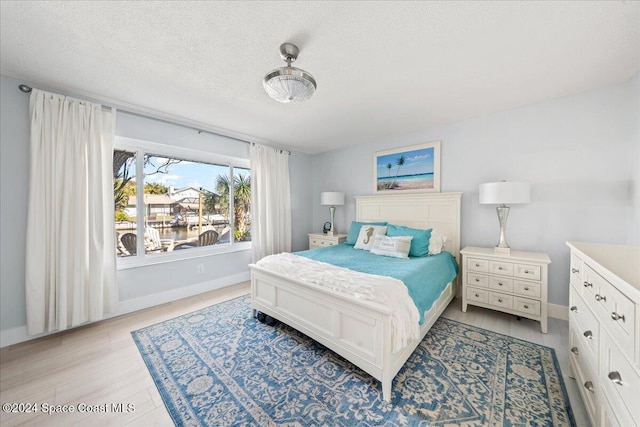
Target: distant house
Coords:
[[156, 205]]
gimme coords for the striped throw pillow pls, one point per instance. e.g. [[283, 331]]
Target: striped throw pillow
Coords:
[[396, 247]]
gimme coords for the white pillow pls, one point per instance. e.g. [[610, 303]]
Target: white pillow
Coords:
[[436, 242], [397, 246], [367, 235]]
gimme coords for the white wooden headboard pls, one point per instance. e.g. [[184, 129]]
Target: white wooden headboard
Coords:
[[440, 211]]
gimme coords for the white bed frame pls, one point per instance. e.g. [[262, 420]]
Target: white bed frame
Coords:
[[360, 331]]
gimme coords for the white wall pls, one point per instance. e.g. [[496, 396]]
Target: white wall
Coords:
[[139, 287], [580, 154]]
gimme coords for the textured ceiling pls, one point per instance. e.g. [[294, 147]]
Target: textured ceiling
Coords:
[[383, 68]]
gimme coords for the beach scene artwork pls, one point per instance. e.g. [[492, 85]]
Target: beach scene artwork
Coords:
[[414, 168]]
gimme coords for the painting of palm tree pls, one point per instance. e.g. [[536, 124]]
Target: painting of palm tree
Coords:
[[417, 168]]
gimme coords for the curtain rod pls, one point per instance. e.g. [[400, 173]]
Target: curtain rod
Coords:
[[27, 89]]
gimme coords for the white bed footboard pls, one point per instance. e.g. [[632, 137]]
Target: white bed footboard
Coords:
[[358, 330]]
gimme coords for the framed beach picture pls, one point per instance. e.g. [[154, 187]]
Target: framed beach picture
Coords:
[[413, 168]]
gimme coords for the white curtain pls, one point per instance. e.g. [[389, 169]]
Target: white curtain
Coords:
[[70, 260], [270, 202]]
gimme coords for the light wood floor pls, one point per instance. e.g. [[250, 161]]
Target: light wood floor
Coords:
[[99, 364]]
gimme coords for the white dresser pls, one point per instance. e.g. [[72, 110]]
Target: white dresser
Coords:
[[604, 328], [319, 240], [515, 283]]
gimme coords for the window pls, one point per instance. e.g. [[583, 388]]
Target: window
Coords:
[[185, 207]]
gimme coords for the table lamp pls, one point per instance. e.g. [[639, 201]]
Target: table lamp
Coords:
[[332, 199], [503, 193]]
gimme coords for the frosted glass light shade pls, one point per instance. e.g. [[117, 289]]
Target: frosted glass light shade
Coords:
[[289, 84], [332, 198], [502, 193]]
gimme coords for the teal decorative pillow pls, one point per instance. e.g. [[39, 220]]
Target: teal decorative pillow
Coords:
[[396, 247], [354, 230], [420, 242]]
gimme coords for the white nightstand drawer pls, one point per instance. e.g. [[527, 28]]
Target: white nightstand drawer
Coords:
[[525, 305], [478, 280], [503, 268], [527, 289], [475, 264], [322, 242], [527, 271], [501, 300], [479, 295], [501, 284]]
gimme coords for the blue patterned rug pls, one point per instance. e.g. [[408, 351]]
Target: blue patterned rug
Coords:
[[220, 367]]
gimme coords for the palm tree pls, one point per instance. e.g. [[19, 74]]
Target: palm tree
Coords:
[[242, 203], [400, 161], [388, 173]]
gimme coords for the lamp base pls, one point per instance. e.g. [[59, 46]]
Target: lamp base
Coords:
[[505, 251], [330, 233]]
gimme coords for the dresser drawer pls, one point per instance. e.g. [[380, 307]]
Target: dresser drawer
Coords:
[[501, 284], [478, 280], [501, 300], [499, 267], [620, 380], [585, 324], [527, 289], [525, 271], [476, 264], [576, 271], [619, 315], [479, 295], [586, 380], [525, 305]]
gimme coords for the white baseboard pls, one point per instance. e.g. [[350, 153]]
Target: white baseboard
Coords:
[[558, 311], [19, 334]]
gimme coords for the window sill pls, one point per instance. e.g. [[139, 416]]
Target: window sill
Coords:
[[183, 255]]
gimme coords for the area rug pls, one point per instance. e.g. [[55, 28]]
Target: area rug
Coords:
[[220, 367]]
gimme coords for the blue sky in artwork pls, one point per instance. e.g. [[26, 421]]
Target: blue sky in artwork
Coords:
[[416, 162]]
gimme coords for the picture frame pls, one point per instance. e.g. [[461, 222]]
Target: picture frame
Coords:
[[415, 168]]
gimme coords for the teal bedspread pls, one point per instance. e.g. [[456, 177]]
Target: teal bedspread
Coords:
[[424, 277]]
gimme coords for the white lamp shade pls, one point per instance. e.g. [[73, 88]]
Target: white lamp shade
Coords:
[[332, 198], [502, 193]]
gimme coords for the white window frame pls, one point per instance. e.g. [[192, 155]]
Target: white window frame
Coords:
[[141, 147]]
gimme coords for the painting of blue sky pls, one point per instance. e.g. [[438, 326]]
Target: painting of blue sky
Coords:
[[406, 170]]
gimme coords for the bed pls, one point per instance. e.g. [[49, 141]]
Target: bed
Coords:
[[357, 329]]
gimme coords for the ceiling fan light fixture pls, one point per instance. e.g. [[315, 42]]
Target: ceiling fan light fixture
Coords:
[[289, 84]]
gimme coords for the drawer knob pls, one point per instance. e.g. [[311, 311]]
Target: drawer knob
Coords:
[[477, 280], [588, 334], [615, 377], [589, 386], [477, 265], [616, 316], [526, 306], [575, 351], [588, 285], [499, 268], [575, 270], [477, 296], [499, 299], [526, 272], [601, 297], [574, 309], [499, 283], [526, 289]]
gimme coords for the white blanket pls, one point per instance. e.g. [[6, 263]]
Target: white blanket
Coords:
[[381, 289]]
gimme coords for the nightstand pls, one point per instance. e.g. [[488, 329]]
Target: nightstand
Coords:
[[514, 283], [319, 240]]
